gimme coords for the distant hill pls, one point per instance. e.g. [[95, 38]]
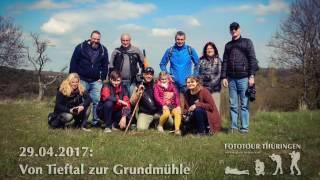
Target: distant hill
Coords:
[[21, 83]]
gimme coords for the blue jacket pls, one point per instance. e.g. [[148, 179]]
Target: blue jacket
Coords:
[[89, 70], [180, 63]]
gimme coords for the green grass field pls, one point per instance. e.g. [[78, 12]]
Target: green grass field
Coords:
[[24, 124]]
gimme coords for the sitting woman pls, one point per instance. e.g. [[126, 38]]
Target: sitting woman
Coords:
[[167, 97], [201, 109], [114, 105], [72, 102]]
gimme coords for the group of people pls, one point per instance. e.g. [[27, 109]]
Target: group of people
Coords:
[[185, 99]]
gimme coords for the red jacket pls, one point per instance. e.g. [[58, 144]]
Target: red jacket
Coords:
[[166, 96], [108, 92]]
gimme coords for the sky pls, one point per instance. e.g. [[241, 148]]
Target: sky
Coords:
[[151, 23]]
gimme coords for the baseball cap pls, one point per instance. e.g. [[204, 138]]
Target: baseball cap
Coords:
[[148, 70], [234, 25]]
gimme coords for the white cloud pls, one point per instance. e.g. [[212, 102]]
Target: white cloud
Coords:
[[160, 32], [65, 22], [274, 6], [131, 27], [179, 19], [48, 4]]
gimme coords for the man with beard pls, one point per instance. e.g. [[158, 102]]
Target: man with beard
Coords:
[[90, 61]]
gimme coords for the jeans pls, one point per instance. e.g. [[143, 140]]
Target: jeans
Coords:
[[94, 90], [129, 86], [237, 90], [110, 117]]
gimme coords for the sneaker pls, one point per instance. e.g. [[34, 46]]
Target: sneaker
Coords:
[[160, 128], [85, 129], [115, 129], [244, 131], [107, 130], [177, 132]]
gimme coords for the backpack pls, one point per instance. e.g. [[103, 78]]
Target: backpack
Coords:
[[54, 121]]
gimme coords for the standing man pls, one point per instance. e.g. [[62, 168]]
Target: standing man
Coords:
[[181, 58], [90, 61], [238, 70], [128, 60]]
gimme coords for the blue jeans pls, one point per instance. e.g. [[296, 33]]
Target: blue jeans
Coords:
[[129, 86], [109, 116], [94, 90], [237, 90]]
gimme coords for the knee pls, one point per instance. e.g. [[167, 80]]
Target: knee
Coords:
[[108, 105], [66, 117]]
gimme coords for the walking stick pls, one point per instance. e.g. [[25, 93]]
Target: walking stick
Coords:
[[133, 113]]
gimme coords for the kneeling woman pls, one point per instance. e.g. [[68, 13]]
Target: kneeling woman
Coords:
[[72, 102], [114, 105], [200, 105]]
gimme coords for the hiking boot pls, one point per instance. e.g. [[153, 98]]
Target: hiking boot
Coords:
[[107, 130], [160, 128], [244, 131], [85, 129], [177, 132]]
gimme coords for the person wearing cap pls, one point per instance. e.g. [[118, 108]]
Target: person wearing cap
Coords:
[[147, 106], [238, 71]]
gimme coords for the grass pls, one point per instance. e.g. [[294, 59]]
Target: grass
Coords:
[[24, 124]]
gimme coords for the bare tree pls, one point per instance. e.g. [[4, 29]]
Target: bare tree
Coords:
[[38, 61], [11, 43], [297, 46]]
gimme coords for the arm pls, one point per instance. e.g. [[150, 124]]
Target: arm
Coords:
[[177, 95], [195, 59], [60, 103], [252, 61], [156, 94], [164, 61], [141, 62], [215, 78], [113, 55], [87, 99], [104, 65], [205, 100], [224, 63], [74, 60], [106, 95]]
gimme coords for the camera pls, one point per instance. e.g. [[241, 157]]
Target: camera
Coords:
[[187, 117], [139, 78], [251, 92]]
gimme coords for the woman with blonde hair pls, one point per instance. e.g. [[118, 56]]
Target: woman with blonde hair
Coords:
[[72, 102], [201, 108]]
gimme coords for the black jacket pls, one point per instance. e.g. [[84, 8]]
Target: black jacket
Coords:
[[65, 103], [147, 103], [89, 69], [239, 59]]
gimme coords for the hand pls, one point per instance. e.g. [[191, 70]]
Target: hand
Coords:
[[251, 81], [80, 109], [122, 122], [74, 110], [140, 89], [192, 108], [123, 102], [225, 82]]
